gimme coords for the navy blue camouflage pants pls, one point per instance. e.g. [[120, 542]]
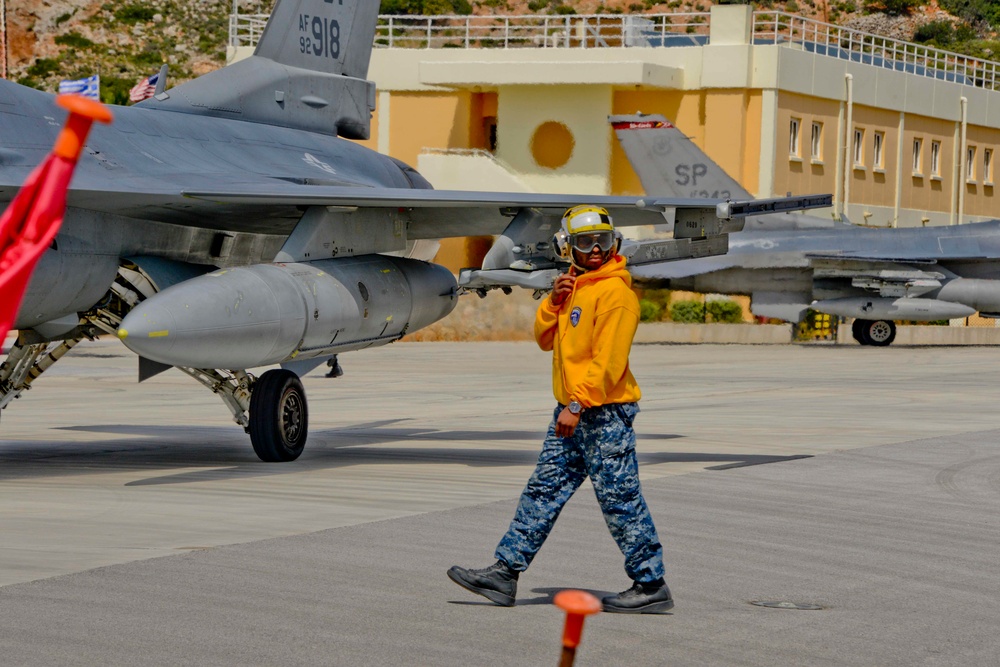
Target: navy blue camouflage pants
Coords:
[[603, 448]]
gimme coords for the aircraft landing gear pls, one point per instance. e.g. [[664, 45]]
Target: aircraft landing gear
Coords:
[[279, 416], [878, 333], [271, 408]]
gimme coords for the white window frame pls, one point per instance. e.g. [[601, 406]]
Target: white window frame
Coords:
[[987, 166], [878, 151], [794, 138], [859, 148], [918, 156], [816, 143], [936, 160], [970, 164]]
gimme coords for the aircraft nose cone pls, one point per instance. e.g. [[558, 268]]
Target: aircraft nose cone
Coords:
[[146, 331]]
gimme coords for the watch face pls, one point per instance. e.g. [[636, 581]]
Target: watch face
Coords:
[[575, 407]]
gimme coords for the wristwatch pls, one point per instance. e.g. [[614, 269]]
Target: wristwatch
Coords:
[[575, 407]]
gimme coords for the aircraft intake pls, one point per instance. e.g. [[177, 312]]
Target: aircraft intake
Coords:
[[880, 308], [265, 314]]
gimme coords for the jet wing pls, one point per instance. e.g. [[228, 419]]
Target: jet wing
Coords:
[[443, 213], [855, 259], [684, 268]]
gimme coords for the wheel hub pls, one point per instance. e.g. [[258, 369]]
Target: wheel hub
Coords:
[[879, 332], [291, 417]]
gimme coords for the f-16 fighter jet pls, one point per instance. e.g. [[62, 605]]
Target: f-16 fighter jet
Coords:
[[228, 224], [790, 262]]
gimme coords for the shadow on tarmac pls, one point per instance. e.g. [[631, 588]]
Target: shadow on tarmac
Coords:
[[225, 453], [545, 596]]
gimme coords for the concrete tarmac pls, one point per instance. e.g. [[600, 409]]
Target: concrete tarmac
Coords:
[[138, 527]]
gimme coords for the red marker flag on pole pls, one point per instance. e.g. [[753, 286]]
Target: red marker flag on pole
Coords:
[[33, 218]]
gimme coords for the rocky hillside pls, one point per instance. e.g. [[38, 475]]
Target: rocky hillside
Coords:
[[50, 40], [122, 41]]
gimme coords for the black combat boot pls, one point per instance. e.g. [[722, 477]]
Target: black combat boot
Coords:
[[497, 582], [651, 598]]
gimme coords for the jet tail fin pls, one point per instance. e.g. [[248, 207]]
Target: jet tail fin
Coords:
[[668, 163], [332, 36], [308, 72]]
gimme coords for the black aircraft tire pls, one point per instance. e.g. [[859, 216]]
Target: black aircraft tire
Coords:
[[858, 331], [279, 417], [880, 333]]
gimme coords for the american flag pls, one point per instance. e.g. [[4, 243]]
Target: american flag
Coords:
[[144, 89]]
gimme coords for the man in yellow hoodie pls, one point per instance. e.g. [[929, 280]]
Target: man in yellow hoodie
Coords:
[[588, 322]]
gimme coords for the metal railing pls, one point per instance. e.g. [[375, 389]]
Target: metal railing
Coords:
[[538, 31], [635, 30], [246, 29], [847, 44], [528, 31]]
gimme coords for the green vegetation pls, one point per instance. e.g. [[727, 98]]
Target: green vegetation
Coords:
[[649, 311], [425, 7], [717, 310], [133, 13], [42, 67], [687, 312], [944, 34], [724, 311], [114, 90], [974, 11], [74, 40]]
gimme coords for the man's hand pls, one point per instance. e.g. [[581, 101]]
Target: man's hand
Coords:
[[566, 423], [563, 287]]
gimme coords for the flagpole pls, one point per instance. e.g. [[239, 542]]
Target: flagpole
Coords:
[[3, 39]]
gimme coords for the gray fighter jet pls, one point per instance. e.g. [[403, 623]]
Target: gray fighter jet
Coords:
[[790, 262], [228, 223]]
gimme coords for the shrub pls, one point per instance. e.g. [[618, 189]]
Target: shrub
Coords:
[[725, 311], [73, 39], [42, 67], [936, 32], [687, 312], [649, 311], [114, 90], [134, 13]]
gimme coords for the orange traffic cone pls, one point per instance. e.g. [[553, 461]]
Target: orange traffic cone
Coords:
[[577, 605]]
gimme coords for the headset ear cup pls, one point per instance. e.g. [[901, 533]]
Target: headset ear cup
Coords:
[[618, 242], [561, 243]]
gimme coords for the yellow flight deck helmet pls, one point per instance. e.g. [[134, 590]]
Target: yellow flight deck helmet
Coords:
[[583, 227]]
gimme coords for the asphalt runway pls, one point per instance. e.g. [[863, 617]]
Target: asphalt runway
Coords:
[[138, 527]]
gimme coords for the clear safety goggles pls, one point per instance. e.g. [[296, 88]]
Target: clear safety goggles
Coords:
[[586, 241]]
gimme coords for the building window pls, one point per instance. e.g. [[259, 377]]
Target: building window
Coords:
[[816, 142], [859, 147], [918, 156], [988, 165], [970, 163], [877, 160], [936, 158], [793, 138]]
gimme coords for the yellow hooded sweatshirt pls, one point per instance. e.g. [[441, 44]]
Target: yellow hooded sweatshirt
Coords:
[[590, 336]]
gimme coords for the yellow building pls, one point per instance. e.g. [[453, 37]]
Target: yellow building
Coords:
[[902, 135]]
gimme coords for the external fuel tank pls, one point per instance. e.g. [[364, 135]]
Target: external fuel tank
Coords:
[[270, 313]]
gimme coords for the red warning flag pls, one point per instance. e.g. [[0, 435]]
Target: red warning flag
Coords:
[[32, 219]]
